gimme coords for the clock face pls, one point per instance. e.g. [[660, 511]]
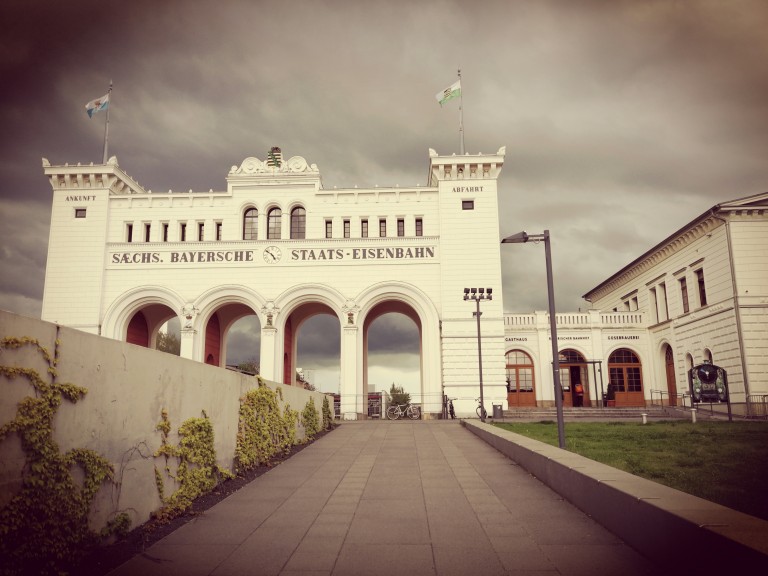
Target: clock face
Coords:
[[271, 254]]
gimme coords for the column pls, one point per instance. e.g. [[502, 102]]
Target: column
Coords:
[[354, 400]]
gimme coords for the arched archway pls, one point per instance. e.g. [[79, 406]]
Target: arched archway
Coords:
[[521, 385], [292, 332], [146, 322], [392, 329], [574, 378], [392, 346], [626, 377], [669, 373], [221, 325]]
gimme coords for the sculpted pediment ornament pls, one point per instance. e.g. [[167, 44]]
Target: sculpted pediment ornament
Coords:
[[294, 165]]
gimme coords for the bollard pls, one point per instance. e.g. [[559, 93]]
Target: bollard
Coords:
[[693, 415], [645, 418]]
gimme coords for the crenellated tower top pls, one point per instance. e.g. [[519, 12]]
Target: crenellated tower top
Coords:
[[465, 167]]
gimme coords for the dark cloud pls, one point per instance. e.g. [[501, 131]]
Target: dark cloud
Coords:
[[244, 341], [622, 120]]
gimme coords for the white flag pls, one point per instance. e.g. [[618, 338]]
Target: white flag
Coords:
[[453, 91]]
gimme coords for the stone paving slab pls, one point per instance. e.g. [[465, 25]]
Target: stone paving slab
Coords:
[[403, 497]]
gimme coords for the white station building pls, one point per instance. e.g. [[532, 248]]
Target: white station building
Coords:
[[122, 261]]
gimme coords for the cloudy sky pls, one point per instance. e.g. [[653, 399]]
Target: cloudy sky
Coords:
[[623, 120]]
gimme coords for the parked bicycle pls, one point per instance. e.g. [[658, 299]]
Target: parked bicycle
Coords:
[[397, 411], [481, 412]]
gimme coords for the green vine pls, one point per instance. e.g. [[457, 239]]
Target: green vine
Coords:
[[311, 420], [196, 472], [45, 528], [263, 432]]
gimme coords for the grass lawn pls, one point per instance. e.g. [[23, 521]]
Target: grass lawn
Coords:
[[725, 462]]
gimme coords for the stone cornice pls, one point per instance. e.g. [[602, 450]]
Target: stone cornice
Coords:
[[655, 256]]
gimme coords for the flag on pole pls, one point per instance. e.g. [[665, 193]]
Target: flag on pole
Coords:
[[97, 105], [453, 91]]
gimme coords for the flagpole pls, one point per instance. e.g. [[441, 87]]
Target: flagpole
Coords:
[[106, 125], [461, 114]]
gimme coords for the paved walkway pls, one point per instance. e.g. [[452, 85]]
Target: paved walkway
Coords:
[[379, 497]]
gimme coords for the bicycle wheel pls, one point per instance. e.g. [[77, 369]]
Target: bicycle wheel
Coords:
[[413, 413], [484, 414], [393, 413]]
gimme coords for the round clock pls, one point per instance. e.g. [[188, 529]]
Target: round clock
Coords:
[[271, 254]]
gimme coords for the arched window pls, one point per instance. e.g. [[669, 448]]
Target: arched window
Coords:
[[251, 224], [298, 223], [274, 220], [708, 355], [520, 388], [626, 377], [573, 379]]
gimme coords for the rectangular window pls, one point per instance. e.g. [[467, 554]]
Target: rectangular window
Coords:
[[183, 232], [382, 227], [364, 228], [419, 227], [400, 227], [684, 294], [663, 294], [655, 304], [329, 228], [467, 204], [165, 231], [129, 232], [218, 230], [702, 289], [346, 229], [79, 212], [200, 231], [147, 231]]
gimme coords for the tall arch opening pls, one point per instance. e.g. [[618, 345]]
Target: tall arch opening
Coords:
[[669, 372], [626, 377], [392, 354], [318, 352], [574, 379], [521, 385], [242, 344], [311, 343], [146, 323], [233, 338]]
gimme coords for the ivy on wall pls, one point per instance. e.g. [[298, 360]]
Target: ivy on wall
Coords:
[[44, 528], [263, 430], [196, 471]]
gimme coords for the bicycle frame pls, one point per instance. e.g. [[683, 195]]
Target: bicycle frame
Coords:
[[396, 411]]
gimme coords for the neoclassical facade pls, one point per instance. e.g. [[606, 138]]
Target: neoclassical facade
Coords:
[[123, 260], [275, 243]]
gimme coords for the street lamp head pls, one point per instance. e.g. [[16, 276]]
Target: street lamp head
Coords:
[[473, 290], [519, 238]]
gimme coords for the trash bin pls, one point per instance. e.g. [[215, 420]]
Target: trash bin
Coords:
[[497, 411]]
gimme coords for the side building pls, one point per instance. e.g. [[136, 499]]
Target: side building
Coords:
[[122, 261], [699, 295]]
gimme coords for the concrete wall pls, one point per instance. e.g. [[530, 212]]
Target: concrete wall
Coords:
[[128, 388], [675, 529]]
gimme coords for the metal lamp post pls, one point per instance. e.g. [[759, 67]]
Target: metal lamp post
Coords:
[[522, 238], [479, 294]]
